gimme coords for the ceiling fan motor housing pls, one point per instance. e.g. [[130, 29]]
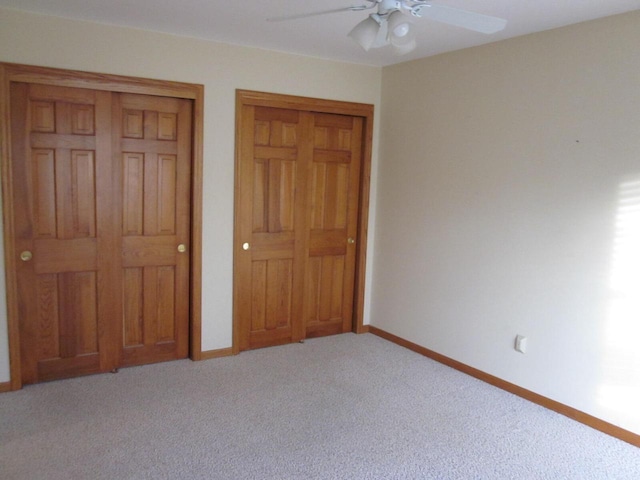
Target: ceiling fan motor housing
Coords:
[[387, 6], [414, 7]]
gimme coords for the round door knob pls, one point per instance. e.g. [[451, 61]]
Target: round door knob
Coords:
[[182, 248], [246, 246], [351, 240], [26, 256]]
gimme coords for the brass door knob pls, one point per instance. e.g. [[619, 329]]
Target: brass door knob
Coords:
[[351, 240], [26, 256], [182, 248], [246, 246]]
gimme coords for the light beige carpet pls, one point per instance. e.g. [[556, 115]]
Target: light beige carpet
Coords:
[[343, 407]]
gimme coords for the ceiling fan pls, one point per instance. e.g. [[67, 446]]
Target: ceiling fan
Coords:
[[391, 23]]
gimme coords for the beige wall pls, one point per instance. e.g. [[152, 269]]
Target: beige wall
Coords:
[[506, 206], [53, 42]]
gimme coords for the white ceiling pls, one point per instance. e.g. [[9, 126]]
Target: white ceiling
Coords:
[[243, 22]]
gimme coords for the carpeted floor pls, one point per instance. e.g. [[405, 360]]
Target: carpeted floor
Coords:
[[343, 407]]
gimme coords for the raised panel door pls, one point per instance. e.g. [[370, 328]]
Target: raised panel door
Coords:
[[153, 157], [61, 150], [298, 179], [101, 214], [272, 176], [333, 215]]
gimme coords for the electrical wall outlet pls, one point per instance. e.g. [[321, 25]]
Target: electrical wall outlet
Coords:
[[521, 344]]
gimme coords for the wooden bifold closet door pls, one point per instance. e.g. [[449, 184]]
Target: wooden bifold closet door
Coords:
[[298, 180], [101, 195]]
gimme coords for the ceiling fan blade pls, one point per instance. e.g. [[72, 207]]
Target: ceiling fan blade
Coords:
[[354, 8], [462, 18]]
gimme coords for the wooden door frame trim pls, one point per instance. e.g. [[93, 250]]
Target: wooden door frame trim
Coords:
[[274, 100], [10, 73]]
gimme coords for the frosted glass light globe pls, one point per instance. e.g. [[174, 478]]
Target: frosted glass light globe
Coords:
[[401, 30]]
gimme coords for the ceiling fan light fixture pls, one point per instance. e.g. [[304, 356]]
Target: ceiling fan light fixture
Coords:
[[382, 39], [405, 44], [366, 32], [392, 23], [401, 30], [405, 48], [399, 25]]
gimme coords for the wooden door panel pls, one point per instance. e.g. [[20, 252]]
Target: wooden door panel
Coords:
[[260, 196], [149, 194], [78, 314], [43, 116], [272, 185], [159, 315], [281, 186], [133, 194], [149, 317], [165, 211], [55, 369], [140, 251], [133, 307], [82, 119], [44, 192], [48, 316], [83, 194], [61, 255], [297, 209], [54, 139], [64, 193], [102, 200], [165, 314], [330, 190], [279, 276], [271, 302], [325, 294], [155, 155], [333, 213], [67, 325]]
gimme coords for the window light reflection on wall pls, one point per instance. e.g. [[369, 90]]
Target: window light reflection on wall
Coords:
[[619, 391]]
